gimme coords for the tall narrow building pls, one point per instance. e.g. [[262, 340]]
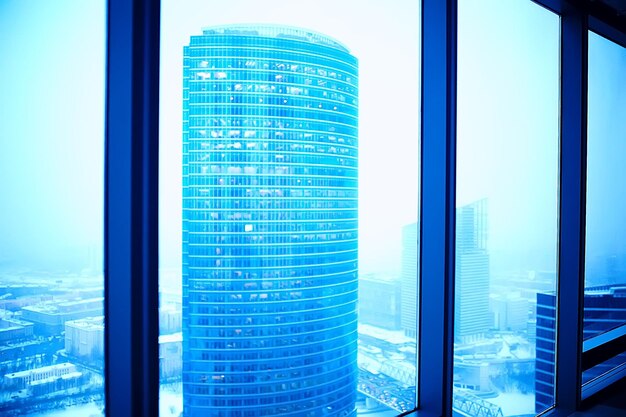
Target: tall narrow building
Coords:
[[472, 316], [269, 223], [409, 279]]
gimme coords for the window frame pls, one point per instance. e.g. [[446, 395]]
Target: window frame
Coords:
[[131, 204], [131, 208], [438, 157], [605, 346]]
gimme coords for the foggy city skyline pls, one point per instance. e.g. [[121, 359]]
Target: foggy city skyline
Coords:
[[507, 199], [38, 240]]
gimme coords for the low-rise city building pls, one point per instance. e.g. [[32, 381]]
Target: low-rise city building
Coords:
[[26, 379], [13, 330], [49, 318], [84, 338], [170, 319], [170, 356]]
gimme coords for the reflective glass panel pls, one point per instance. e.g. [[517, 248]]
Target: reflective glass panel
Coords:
[[605, 263], [603, 375], [289, 184], [605, 266], [506, 216], [51, 210]]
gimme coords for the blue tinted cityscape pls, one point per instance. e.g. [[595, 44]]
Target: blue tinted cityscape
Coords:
[[293, 286]]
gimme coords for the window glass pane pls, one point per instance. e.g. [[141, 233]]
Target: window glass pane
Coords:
[[605, 266], [289, 255], [603, 375], [506, 218], [51, 222]]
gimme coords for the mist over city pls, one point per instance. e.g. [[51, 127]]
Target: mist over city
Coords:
[[52, 209]]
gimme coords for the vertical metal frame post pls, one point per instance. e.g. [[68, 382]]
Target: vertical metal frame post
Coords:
[[437, 206], [572, 209], [131, 215]]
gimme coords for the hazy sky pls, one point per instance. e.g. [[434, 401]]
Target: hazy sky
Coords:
[[384, 36], [606, 219], [52, 131], [508, 126], [508, 141], [52, 107]]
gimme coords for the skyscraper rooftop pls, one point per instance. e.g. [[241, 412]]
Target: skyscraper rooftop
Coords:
[[275, 31]]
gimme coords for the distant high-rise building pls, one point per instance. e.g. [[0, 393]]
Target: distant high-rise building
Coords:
[[545, 359], [472, 317], [408, 292], [510, 311], [269, 223], [379, 301]]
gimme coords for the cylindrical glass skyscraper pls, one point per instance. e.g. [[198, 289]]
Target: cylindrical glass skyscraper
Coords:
[[269, 223]]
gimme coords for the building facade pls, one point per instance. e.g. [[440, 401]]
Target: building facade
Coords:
[[170, 357], [511, 312], [170, 319], [14, 330], [379, 301], [50, 317], [269, 223], [23, 379], [472, 315], [546, 350], [472, 318], [409, 279], [84, 338]]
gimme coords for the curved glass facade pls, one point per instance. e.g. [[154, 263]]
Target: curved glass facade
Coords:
[[269, 223]]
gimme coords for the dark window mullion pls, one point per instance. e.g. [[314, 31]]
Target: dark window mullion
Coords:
[[131, 201], [437, 206], [571, 209]]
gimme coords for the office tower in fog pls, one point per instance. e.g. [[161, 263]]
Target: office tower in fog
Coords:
[[408, 292], [472, 317], [379, 301], [269, 223]]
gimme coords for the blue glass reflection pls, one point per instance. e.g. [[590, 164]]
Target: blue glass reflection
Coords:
[[506, 216], [269, 223], [605, 262], [605, 265]]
